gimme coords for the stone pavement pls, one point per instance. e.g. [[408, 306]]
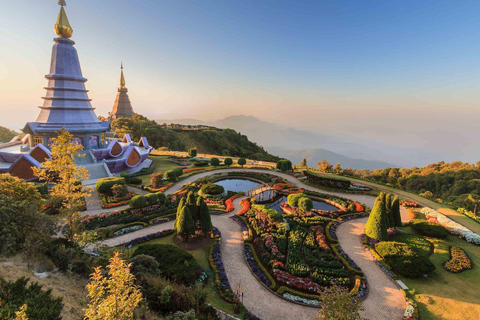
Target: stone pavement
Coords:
[[384, 301]]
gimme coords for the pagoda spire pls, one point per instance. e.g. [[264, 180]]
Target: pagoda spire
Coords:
[[122, 79], [62, 27]]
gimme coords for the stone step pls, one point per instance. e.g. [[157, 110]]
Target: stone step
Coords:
[[96, 171]]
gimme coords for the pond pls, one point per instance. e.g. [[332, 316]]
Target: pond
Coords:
[[316, 205], [237, 185]]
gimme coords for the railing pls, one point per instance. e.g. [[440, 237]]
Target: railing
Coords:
[[94, 159]]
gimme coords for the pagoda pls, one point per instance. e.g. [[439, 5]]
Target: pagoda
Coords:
[[122, 108], [66, 104]]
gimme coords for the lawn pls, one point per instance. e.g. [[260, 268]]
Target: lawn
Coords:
[[445, 295], [201, 255]]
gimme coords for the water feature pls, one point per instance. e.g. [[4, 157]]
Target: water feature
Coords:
[[237, 185], [277, 201]]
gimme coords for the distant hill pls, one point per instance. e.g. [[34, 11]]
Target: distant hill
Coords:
[[225, 142], [6, 134], [315, 155]]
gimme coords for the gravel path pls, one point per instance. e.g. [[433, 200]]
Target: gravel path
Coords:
[[384, 301]]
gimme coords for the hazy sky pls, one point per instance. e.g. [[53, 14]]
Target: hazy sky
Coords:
[[404, 72]]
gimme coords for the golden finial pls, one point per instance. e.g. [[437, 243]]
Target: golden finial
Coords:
[[62, 27], [122, 78]]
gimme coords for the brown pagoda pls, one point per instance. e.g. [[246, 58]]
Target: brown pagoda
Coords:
[[122, 108]]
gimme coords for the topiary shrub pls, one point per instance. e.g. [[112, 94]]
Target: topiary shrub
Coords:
[[214, 162], [161, 197], [126, 176], [376, 226], [428, 229], [144, 265], [138, 202], [152, 198], [305, 204], [192, 152], [404, 259], [174, 263], [119, 190], [171, 175], [105, 185], [293, 199], [212, 189], [156, 179], [41, 305], [228, 161], [242, 162], [135, 180], [284, 165], [200, 164]]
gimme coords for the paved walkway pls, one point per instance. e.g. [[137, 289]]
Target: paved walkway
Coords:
[[384, 301], [94, 207]]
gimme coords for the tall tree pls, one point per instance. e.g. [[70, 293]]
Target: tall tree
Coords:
[[376, 226], [324, 166], [186, 224], [204, 217], [181, 204], [62, 171], [304, 162], [115, 297], [192, 205], [338, 168], [396, 212], [388, 208]]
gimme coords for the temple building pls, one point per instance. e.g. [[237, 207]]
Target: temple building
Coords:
[[67, 105], [122, 108]]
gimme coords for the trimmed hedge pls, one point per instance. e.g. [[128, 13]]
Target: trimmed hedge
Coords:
[[152, 198], [105, 185], [212, 189], [126, 176], [404, 260], [327, 232], [111, 232], [345, 262], [284, 289], [428, 229], [260, 265], [138, 202], [161, 196]]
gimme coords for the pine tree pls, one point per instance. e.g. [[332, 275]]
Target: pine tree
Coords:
[[191, 203], [186, 225], [304, 162], [181, 204], [376, 226], [204, 217], [396, 212], [388, 207]]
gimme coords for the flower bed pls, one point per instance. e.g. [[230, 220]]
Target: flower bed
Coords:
[[246, 205], [469, 214], [192, 170], [459, 261], [221, 279], [411, 204], [451, 225], [349, 263], [147, 238], [296, 282], [245, 229], [411, 310], [257, 268], [112, 202], [127, 229], [300, 299], [267, 178]]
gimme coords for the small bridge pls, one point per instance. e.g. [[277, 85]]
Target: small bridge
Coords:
[[262, 192]]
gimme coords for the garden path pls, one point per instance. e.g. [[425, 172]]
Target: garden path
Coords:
[[384, 301]]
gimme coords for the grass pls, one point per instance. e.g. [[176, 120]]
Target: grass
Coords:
[[445, 295], [201, 255], [418, 243]]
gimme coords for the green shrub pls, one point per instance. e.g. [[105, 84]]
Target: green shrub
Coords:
[[428, 229], [174, 263], [376, 226], [105, 185], [152, 198], [228, 161], [171, 175], [42, 188], [242, 162], [41, 305], [138, 202], [135, 180], [404, 259], [143, 264], [126, 176], [212, 189], [284, 165], [161, 197], [214, 162], [200, 164], [192, 152], [305, 204], [276, 216], [419, 244], [293, 199]]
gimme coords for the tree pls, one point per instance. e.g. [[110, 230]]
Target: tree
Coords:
[[324, 166], [228, 161], [397, 218], [304, 163], [388, 208], [62, 171], [192, 152], [242, 162], [338, 168], [171, 175], [305, 204], [376, 226], [115, 297], [192, 205], [22, 313], [204, 218], [181, 204], [186, 224], [215, 162], [284, 165], [338, 304]]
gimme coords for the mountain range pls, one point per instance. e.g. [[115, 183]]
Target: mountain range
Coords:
[[294, 144]]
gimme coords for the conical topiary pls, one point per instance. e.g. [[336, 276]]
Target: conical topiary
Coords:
[[186, 225], [397, 218], [376, 226], [204, 217], [388, 208], [181, 204]]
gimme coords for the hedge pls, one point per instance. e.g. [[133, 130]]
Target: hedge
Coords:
[[260, 265], [428, 229], [284, 289], [152, 198], [327, 231], [42, 188], [344, 261], [138, 202], [126, 176], [105, 185]]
